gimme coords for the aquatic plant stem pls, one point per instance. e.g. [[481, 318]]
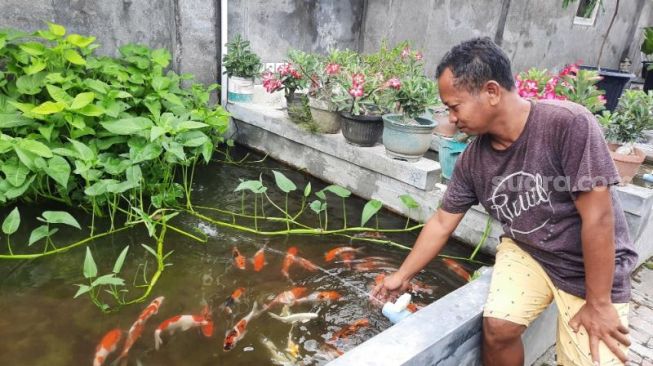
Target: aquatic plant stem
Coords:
[[66, 248], [486, 233]]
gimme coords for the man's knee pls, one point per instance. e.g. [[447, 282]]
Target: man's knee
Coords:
[[499, 331]]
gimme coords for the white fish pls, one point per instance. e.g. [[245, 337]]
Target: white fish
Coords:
[[277, 357], [293, 318]]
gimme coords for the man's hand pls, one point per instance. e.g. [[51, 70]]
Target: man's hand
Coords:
[[391, 287], [602, 324]]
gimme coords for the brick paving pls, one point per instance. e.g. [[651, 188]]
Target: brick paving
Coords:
[[641, 321]]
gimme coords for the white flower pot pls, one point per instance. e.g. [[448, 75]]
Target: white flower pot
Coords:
[[240, 90]]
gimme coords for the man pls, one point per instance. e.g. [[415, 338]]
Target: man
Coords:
[[543, 170]]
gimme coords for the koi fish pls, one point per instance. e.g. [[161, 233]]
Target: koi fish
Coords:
[[289, 297], [108, 344], [207, 329], [287, 317], [369, 264], [259, 260], [238, 331], [306, 264], [338, 252], [329, 352], [232, 300], [277, 357], [179, 322], [456, 268], [320, 296], [239, 260], [288, 260], [151, 309], [350, 329], [137, 328]]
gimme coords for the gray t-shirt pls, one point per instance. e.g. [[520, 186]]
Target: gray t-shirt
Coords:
[[530, 188]]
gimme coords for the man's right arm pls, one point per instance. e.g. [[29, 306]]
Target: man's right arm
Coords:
[[432, 238]]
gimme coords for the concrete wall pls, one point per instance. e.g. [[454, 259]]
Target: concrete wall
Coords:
[[273, 27], [533, 32], [186, 28]]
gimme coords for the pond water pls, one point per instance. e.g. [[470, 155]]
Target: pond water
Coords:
[[41, 323]]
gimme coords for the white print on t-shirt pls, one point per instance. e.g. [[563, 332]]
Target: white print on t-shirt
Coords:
[[530, 194]]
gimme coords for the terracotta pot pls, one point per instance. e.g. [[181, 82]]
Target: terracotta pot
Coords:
[[627, 165], [444, 128]]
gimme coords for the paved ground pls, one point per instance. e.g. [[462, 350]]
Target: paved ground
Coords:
[[641, 321]]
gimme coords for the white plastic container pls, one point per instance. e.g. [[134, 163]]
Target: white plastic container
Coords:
[[397, 312]]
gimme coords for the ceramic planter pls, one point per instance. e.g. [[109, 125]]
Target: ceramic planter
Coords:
[[405, 141], [361, 130], [295, 106], [627, 165], [240, 90], [327, 121], [448, 154], [613, 84]]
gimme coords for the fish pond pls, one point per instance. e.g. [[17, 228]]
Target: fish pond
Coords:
[[42, 324]]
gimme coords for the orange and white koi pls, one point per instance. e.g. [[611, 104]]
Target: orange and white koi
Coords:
[[259, 260], [137, 328], [108, 344], [239, 260], [207, 329], [370, 264], [288, 260], [232, 300], [456, 268], [179, 322], [350, 329], [320, 296], [289, 297], [338, 252], [238, 331], [306, 264]]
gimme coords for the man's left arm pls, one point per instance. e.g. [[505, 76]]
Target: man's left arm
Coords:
[[598, 316]]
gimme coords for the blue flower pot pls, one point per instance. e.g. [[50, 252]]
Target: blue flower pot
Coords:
[[448, 153], [405, 141]]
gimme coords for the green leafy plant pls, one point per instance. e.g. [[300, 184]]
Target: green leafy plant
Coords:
[[97, 131], [633, 115], [240, 61], [413, 95], [647, 44]]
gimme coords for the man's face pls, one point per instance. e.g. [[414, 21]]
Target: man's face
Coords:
[[470, 112]]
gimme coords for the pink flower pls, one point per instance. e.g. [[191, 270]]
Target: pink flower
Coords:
[[295, 74], [602, 99], [358, 80], [418, 56], [405, 52], [267, 75], [569, 70], [356, 91], [393, 83], [272, 85], [332, 69]]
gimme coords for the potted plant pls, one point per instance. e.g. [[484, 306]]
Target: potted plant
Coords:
[[624, 127], [290, 80], [647, 63], [241, 65], [361, 90], [571, 83], [613, 81], [407, 135]]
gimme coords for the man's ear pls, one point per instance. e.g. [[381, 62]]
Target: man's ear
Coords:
[[493, 91]]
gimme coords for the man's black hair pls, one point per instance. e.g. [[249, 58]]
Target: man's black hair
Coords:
[[476, 61]]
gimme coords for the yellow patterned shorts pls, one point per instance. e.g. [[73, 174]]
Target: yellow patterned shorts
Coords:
[[520, 290]]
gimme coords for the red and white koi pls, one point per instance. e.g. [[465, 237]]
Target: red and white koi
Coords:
[[108, 344], [238, 331], [456, 268], [289, 297], [137, 328], [288, 260], [319, 296], [339, 252], [179, 322], [239, 259]]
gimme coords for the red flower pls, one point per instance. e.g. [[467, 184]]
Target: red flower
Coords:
[[332, 69], [356, 91], [272, 85], [393, 83], [358, 80]]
